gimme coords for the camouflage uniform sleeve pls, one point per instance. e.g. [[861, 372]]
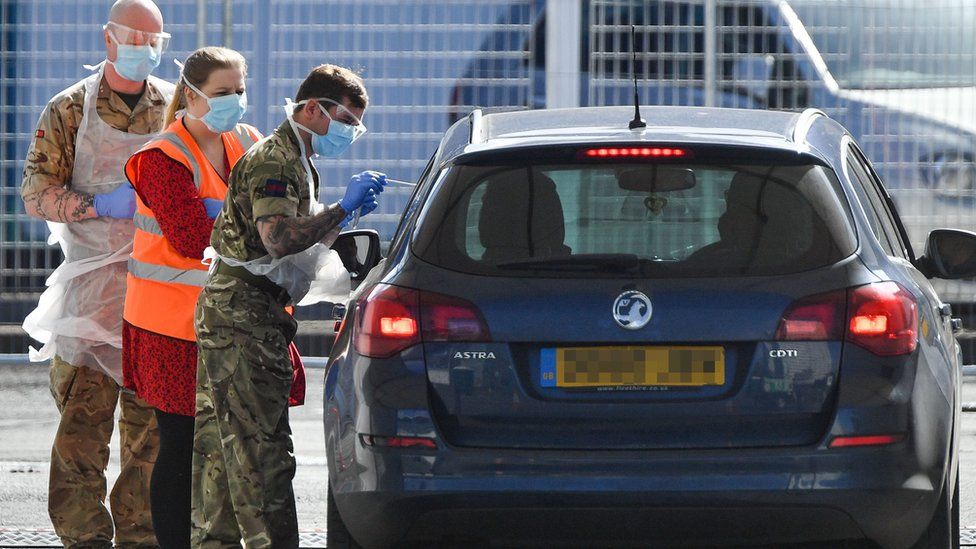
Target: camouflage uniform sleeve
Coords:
[[51, 153], [275, 190]]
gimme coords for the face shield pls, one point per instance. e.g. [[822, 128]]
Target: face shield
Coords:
[[355, 130], [340, 135], [127, 36]]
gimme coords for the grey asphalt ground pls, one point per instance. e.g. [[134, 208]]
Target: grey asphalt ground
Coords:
[[28, 420]]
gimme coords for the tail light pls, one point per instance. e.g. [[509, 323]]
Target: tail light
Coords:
[[391, 319], [387, 321], [815, 318], [446, 318], [883, 318], [880, 317]]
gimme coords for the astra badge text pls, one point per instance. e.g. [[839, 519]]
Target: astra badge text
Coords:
[[478, 355]]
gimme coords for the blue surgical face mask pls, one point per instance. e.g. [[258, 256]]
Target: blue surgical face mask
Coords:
[[135, 63], [335, 141], [225, 111], [339, 136]]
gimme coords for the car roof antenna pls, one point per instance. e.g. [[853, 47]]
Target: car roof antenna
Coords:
[[637, 122]]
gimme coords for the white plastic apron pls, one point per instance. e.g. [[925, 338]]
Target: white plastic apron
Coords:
[[310, 276], [79, 316]]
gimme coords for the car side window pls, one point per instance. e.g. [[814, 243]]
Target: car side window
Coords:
[[889, 216], [423, 185], [875, 207]]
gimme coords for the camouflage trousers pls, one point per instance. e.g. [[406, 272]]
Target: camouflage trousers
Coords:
[[86, 400], [243, 462]]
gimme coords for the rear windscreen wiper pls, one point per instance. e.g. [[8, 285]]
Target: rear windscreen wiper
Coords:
[[587, 262]]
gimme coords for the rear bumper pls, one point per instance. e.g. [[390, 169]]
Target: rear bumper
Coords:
[[614, 499]]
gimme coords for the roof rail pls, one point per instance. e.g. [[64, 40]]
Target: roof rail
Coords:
[[804, 122], [479, 133]]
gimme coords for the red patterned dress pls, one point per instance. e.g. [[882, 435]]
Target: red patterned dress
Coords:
[[162, 369]]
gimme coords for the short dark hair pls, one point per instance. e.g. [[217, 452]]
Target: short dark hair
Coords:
[[333, 82]]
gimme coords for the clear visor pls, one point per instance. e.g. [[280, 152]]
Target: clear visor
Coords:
[[358, 128], [124, 35]]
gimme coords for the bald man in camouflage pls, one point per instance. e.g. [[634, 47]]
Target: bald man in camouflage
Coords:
[[58, 187]]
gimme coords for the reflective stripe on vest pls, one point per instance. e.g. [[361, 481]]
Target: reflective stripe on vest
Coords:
[[169, 275], [244, 137], [147, 224], [163, 285], [175, 140]]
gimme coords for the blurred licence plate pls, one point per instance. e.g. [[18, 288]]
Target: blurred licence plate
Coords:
[[581, 367]]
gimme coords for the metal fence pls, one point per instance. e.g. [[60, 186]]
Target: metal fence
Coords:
[[411, 54], [900, 74]]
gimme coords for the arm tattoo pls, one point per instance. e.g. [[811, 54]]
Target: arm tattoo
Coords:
[[289, 235], [60, 205]]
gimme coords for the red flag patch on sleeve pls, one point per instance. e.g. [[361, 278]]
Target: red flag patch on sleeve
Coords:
[[39, 134], [275, 188]]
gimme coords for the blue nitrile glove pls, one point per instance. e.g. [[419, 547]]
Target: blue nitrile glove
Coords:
[[120, 203], [213, 207], [359, 187], [369, 204]]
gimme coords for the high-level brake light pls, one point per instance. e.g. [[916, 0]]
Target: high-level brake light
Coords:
[[635, 152]]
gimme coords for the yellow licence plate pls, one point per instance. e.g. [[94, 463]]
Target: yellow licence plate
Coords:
[[581, 367]]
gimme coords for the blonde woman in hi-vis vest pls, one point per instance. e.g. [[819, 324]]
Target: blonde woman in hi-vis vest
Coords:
[[180, 180]]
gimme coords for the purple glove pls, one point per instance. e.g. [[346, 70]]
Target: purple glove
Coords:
[[213, 207], [120, 203]]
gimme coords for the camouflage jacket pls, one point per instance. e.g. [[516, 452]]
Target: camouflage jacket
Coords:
[[268, 180], [50, 158]]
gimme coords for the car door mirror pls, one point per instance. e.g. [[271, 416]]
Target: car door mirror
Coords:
[[359, 250], [950, 254]]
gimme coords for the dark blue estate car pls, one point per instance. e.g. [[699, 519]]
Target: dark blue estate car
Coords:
[[711, 330], [905, 91]]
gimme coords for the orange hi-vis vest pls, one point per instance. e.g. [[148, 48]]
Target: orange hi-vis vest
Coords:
[[163, 285]]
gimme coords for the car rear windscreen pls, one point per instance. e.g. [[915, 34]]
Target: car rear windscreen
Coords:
[[677, 219]]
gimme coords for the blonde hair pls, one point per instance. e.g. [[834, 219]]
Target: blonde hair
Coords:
[[197, 69]]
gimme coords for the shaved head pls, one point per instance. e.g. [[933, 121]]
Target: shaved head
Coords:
[[141, 15]]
